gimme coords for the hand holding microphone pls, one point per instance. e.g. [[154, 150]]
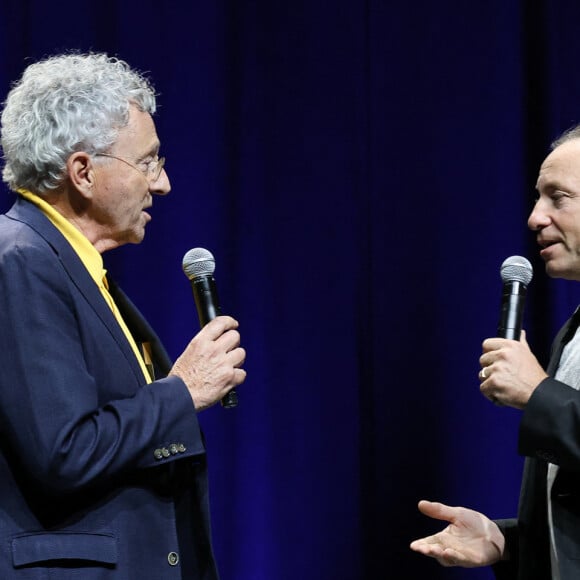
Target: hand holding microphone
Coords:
[[509, 371], [211, 364]]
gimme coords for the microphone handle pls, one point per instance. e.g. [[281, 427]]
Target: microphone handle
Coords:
[[207, 304], [512, 310]]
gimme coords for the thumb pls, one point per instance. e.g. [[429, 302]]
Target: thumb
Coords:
[[438, 511], [523, 337]]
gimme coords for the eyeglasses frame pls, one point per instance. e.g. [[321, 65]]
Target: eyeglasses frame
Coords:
[[149, 176]]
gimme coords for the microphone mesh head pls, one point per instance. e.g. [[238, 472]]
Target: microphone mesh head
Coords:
[[198, 262], [516, 269]]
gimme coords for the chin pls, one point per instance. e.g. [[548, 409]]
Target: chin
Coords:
[[135, 236], [137, 239], [563, 273]]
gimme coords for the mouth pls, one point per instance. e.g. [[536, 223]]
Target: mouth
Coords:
[[546, 252], [547, 243]]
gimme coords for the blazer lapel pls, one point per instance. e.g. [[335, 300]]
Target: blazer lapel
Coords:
[[140, 329], [29, 214], [563, 337]]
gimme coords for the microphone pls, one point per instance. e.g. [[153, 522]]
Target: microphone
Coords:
[[199, 265], [516, 273]]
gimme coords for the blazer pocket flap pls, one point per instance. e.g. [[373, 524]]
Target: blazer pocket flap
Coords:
[[42, 547]]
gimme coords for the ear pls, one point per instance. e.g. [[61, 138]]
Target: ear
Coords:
[[81, 172]]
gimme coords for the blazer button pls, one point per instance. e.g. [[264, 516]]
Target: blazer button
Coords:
[[158, 454], [181, 448], [173, 558], [173, 449], [165, 452]]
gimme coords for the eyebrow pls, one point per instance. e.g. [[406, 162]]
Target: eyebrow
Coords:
[[151, 152]]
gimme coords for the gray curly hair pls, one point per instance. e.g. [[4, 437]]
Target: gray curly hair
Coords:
[[64, 104]]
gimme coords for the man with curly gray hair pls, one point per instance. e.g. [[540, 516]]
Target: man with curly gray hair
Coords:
[[102, 460]]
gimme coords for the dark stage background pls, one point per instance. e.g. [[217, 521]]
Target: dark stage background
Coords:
[[360, 169]]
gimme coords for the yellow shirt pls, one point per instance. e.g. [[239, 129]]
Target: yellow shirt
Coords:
[[92, 260]]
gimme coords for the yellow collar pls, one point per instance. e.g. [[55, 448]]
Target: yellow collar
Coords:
[[90, 257]]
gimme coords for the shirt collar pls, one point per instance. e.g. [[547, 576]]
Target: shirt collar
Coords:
[[90, 257]]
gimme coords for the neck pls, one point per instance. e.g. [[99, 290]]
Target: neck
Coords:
[[76, 210]]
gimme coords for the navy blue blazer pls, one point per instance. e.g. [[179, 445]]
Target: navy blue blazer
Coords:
[[101, 475]]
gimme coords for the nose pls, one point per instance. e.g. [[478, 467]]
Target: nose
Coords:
[[539, 217], [161, 186]]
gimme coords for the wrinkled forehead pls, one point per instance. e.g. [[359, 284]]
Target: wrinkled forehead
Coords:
[[139, 133]]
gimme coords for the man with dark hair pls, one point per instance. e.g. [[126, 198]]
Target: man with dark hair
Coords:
[[544, 541]]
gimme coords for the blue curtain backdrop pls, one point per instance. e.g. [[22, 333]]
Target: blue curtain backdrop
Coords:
[[360, 169]]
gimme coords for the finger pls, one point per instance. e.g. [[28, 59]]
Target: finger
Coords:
[[239, 376], [451, 557], [493, 344], [523, 337], [434, 550], [485, 373], [238, 357], [438, 511], [235, 358], [486, 388], [236, 378], [487, 358], [429, 544], [446, 556], [228, 341], [422, 546], [218, 326]]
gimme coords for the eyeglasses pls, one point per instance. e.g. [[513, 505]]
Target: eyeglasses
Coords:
[[151, 173]]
